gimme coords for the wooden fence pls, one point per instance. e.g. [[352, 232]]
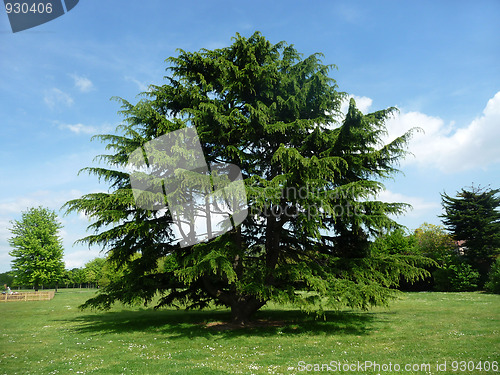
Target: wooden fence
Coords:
[[28, 296]]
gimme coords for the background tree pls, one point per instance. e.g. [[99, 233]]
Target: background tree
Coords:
[[94, 271], [397, 241], [6, 278], [77, 277], [473, 216], [276, 115], [65, 279], [493, 284], [451, 273], [38, 250], [432, 241]]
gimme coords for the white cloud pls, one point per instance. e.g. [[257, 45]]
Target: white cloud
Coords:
[[420, 207], [447, 147], [55, 97], [142, 86], [363, 103], [79, 128], [51, 199], [4, 229], [78, 259], [5, 258], [86, 129], [421, 210], [82, 83], [82, 216]]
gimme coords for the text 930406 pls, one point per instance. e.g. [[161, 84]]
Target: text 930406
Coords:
[[26, 8]]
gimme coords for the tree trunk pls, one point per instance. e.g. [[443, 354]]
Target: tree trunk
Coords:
[[242, 306], [242, 310]]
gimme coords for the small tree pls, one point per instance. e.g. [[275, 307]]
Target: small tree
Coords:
[[38, 250], [473, 216]]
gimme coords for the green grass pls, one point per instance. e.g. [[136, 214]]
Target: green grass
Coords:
[[54, 337]]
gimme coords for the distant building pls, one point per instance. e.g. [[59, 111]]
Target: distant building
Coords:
[[460, 247]]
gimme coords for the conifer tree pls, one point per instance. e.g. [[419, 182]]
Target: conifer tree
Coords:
[[473, 216], [310, 176]]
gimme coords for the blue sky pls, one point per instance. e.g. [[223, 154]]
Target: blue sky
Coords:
[[437, 61]]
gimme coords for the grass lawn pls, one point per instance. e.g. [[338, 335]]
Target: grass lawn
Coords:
[[54, 337]]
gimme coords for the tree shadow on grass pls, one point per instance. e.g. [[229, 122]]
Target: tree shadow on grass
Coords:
[[210, 323]]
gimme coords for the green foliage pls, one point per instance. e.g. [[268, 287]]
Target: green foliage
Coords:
[[94, 271], [276, 115], [432, 241], [448, 272], [397, 241], [77, 277], [456, 276], [110, 274], [99, 272], [428, 240], [6, 278], [493, 284], [37, 247], [400, 242]]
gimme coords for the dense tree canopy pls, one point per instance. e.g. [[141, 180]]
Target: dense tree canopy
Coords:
[[37, 248], [6, 278], [432, 241], [473, 216], [94, 271], [310, 175]]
